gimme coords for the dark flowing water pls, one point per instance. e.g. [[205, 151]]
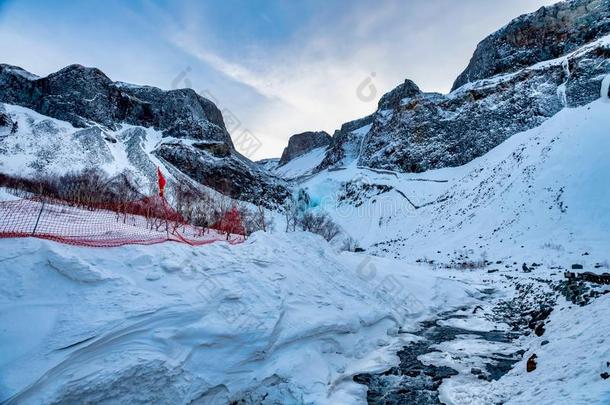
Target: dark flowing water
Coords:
[[412, 382]]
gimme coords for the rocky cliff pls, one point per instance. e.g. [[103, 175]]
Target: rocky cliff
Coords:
[[518, 77], [194, 140], [303, 143], [547, 34]]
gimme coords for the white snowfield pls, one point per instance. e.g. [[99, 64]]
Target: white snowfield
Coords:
[[176, 324]]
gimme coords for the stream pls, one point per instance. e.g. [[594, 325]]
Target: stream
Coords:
[[413, 382]]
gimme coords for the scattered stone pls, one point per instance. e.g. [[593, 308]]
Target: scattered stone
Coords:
[[526, 269], [577, 267], [605, 375], [531, 363], [595, 278], [539, 331], [544, 343], [492, 270]]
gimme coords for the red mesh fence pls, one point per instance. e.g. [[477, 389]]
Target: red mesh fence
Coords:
[[144, 222]]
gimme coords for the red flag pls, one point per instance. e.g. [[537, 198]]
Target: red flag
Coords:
[[161, 181]]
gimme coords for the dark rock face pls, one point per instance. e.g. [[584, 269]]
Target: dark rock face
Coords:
[[6, 123], [346, 142], [88, 99], [393, 99], [82, 96], [5, 120], [414, 131], [303, 143], [531, 363], [548, 33], [235, 178]]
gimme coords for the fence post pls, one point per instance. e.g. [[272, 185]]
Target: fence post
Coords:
[[38, 219], [166, 216]]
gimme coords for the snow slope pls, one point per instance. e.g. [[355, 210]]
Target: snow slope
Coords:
[[544, 187], [301, 165], [568, 366], [542, 196], [45, 146], [281, 316]]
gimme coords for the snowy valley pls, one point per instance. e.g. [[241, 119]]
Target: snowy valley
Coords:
[[469, 261]]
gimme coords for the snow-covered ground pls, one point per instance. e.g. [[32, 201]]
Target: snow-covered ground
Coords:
[[284, 318], [280, 315]]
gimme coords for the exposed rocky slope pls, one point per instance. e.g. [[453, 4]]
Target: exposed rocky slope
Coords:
[[548, 33], [303, 143], [521, 75], [103, 115]]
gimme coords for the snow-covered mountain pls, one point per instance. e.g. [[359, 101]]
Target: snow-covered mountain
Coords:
[[303, 143], [285, 318], [478, 270], [519, 77], [542, 187], [78, 117]]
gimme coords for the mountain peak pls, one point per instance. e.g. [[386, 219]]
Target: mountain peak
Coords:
[[408, 89]]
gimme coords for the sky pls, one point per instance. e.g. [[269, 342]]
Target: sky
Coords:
[[276, 67]]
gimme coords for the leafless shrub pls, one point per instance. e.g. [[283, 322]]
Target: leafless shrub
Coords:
[[320, 224], [553, 246], [349, 244], [88, 188], [291, 214], [254, 220]]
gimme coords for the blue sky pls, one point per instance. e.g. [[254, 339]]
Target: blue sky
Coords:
[[278, 67]]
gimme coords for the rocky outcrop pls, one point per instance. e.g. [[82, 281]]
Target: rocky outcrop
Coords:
[[268, 164], [525, 73], [303, 143], [83, 95], [547, 34], [195, 139], [394, 98], [236, 178], [346, 143]]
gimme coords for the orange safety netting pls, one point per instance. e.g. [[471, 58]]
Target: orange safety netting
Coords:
[[144, 222]]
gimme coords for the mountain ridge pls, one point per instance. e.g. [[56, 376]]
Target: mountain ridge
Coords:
[[193, 140], [414, 131]]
